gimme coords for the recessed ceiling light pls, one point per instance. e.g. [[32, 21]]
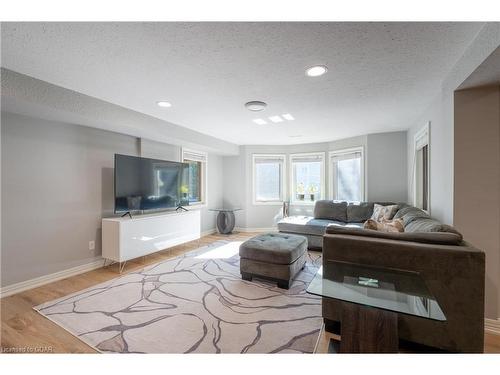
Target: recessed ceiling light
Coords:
[[275, 119], [164, 104], [316, 71], [255, 105], [288, 116], [260, 121]]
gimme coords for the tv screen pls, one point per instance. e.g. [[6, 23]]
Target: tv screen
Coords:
[[149, 184]]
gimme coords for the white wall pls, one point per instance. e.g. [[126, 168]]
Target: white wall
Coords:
[[441, 159], [385, 165], [57, 184], [440, 114], [159, 150]]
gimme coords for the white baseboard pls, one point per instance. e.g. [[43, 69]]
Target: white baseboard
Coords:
[[208, 232], [9, 290], [242, 229], [492, 326]]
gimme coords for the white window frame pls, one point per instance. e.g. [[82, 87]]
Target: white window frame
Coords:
[[421, 139], [195, 155], [280, 157], [292, 177], [342, 152]]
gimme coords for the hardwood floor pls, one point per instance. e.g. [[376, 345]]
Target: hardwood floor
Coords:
[[22, 328]]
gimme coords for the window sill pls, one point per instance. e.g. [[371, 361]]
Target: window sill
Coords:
[[268, 203], [302, 203]]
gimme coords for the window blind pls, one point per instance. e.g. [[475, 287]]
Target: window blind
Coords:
[[194, 156], [306, 158], [268, 159], [346, 156]]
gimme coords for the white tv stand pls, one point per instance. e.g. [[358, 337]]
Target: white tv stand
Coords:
[[125, 238]]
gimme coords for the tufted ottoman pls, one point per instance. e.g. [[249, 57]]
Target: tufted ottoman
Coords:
[[273, 256]]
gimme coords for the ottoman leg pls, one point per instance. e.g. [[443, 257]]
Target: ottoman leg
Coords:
[[284, 284], [246, 276]]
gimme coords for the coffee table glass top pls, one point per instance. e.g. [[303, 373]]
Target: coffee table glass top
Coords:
[[394, 290], [225, 209]]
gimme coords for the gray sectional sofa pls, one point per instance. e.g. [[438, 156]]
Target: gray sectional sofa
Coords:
[[453, 269], [328, 213]]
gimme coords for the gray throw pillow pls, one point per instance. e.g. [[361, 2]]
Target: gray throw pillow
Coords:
[[330, 210], [359, 212]]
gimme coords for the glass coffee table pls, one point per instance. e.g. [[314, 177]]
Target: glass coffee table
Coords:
[[371, 299]]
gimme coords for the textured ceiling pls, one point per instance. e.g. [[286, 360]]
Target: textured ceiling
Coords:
[[485, 74], [381, 75]]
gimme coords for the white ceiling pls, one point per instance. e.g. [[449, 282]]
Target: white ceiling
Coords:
[[381, 75], [485, 74]]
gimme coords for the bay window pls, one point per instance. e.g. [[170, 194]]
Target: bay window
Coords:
[[307, 177], [268, 179], [347, 175], [196, 187]]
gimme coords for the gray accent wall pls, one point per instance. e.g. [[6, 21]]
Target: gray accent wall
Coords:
[[57, 184], [379, 148]]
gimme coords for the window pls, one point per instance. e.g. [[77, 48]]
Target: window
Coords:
[[196, 187], [421, 169], [347, 175], [268, 179], [307, 177]]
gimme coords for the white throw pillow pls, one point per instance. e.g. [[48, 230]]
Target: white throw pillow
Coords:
[[383, 213]]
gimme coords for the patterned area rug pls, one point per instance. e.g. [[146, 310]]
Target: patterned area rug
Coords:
[[195, 303]]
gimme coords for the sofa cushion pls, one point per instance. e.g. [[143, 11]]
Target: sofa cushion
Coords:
[[428, 224], [362, 211], [382, 213], [303, 225], [344, 225], [276, 248], [441, 238], [359, 212], [330, 210], [409, 214], [310, 226]]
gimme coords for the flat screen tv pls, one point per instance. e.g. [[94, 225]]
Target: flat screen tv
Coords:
[[149, 184]]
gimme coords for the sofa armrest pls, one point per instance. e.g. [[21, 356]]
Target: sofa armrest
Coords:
[[442, 238]]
